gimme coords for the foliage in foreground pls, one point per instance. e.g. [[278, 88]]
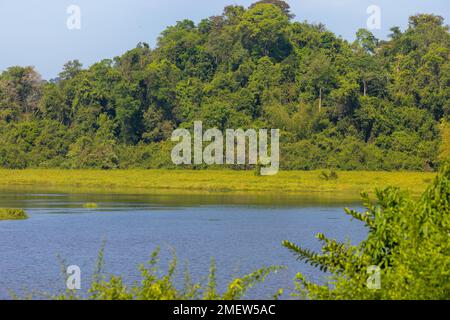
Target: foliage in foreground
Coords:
[[13, 214], [152, 286], [408, 240]]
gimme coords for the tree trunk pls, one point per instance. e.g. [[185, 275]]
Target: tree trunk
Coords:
[[365, 87], [320, 99]]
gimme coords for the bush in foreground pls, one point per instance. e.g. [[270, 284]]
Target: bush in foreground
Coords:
[[152, 286], [408, 243]]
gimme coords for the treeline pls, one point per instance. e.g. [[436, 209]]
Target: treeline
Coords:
[[370, 104]]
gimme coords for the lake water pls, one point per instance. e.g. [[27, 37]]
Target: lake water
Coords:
[[242, 233]]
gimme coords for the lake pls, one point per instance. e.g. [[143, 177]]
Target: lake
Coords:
[[242, 233]]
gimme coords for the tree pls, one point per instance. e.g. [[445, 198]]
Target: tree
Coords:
[[21, 87], [53, 105], [97, 151], [284, 6], [366, 41], [425, 19], [263, 30], [319, 76], [70, 70]]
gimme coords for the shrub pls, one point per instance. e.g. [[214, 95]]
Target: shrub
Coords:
[[408, 241], [328, 175], [153, 286]]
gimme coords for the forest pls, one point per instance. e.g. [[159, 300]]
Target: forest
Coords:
[[365, 105]]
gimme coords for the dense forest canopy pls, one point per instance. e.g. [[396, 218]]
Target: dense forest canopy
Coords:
[[370, 104]]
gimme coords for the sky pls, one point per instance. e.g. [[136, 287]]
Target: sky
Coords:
[[35, 32]]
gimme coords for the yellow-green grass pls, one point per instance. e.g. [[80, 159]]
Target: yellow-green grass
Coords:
[[214, 181], [90, 205], [13, 214]]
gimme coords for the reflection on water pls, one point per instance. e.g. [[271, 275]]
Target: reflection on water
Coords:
[[242, 232], [28, 197]]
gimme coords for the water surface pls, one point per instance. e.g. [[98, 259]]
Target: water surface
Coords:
[[242, 233]]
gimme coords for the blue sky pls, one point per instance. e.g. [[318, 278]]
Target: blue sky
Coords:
[[34, 32]]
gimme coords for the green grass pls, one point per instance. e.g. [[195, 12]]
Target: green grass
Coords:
[[90, 205], [214, 181], [13, 214]]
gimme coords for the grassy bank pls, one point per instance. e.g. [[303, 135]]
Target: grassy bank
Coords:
[[13, 214], [215, 181]]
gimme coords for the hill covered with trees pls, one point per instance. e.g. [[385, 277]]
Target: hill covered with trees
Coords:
[[370, 104]]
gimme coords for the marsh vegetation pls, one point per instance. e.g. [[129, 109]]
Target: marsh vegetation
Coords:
[[339, 183], [13, 214]]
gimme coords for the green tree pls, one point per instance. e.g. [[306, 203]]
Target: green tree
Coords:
[[70, 70], [264, 29]]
